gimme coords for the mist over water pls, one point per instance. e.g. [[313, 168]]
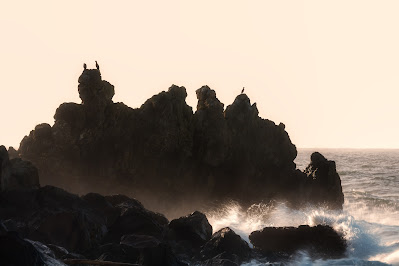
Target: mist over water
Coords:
[[369, 220]]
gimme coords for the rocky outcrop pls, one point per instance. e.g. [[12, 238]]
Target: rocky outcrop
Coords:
[[164, 149], [320, 241], [324, 183], [16, 173], [49, 226]]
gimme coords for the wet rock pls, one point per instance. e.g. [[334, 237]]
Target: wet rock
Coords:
[[228, 242], [117, 253], [141, 249], [62, 253], [320, 241], [194, 228], [223, 259], [16, 251], [46, 253]]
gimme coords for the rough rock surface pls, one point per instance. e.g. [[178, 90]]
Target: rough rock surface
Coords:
[[44, 226], [320, 241], [194, 228], [324, 182], [16, 173], [164, 149], [226, 241], [53, 216]]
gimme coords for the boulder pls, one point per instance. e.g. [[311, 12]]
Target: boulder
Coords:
[[102, 206], [321, 241], [194, 228], [135, 219], [228, 242]]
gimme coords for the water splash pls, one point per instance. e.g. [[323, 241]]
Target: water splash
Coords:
[[364, 239]]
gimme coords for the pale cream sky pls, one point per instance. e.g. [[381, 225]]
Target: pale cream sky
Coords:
[[329, 70]]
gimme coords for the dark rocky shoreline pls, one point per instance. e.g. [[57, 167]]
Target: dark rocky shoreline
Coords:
[[171, 159], [49, 226]]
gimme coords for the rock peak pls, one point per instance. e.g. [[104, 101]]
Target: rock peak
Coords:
[[93, 90]]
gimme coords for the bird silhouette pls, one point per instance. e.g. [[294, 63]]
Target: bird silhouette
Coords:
[[97, 66], [242, 91], [84, 66]]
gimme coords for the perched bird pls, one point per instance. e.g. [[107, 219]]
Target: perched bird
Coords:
[[97, 66], [242, 91], [84, 66]]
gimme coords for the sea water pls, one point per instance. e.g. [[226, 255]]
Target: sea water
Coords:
[[369, 220]]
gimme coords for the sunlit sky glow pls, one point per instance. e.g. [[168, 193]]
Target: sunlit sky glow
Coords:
[[329, 70]]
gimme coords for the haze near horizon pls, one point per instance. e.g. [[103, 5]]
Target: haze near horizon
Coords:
[[327, 70]]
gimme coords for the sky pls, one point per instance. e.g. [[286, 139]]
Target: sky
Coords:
[[329, 70]]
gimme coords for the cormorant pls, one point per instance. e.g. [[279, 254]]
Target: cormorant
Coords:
[[97, 66], [84, 66], [242, 91]]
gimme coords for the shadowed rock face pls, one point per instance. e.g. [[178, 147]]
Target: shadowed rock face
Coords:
[[163, 153], [321, 241], [324, 183], [16, 173]]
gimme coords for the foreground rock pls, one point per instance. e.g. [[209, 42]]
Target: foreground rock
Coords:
[[320, 241], [226, 244], [53, 216], [164, 149], [193, 228], [49, 226]]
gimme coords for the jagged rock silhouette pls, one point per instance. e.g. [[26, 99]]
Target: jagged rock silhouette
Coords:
[[164, 154]]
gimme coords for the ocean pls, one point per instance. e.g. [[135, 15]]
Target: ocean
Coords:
[[369, 220]]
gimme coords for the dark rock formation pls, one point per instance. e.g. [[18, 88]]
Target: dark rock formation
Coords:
[[324, 183], [139, 221], [53, 216], [223, 259], [16, 251], [226, 241], [163, 149], [194, 228], [47, 225], [16, 173], [320, 241]]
